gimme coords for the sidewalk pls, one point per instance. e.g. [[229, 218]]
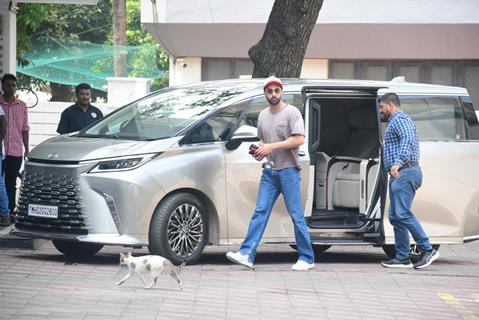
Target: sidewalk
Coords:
[[348, 283]]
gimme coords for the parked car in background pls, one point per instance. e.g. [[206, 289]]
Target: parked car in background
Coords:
[[171, 171]]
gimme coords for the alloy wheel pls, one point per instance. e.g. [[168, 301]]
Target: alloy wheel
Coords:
[[185, 230]]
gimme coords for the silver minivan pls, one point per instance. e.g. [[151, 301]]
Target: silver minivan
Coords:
[[171, 171]]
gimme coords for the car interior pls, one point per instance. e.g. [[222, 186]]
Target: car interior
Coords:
[[346, 161]]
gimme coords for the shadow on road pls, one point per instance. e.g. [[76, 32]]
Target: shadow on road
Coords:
[[218, 258], [98, 259]]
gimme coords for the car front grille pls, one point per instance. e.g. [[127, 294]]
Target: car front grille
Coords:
[[52, 187]]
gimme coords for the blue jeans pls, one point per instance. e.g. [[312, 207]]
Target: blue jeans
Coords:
[[401, 195], [273, 182], [4, 211]]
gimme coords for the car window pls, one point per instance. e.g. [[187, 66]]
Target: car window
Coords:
[[218, 126], [162, 115], [260, 103], [436, 118], [470, 116]]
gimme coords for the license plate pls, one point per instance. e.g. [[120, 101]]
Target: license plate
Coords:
[[43, 211]]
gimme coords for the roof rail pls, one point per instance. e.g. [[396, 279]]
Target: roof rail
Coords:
[[399, 79]]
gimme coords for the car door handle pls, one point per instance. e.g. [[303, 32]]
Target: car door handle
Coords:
[[301, 153]]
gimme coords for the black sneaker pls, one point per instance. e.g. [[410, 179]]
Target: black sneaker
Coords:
[[395, 263], [426, 259]]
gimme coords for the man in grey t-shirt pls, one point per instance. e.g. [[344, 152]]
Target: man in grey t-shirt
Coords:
[[277, 127], [281, 132]]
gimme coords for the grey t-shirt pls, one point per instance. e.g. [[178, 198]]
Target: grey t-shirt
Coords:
[[279, 126]]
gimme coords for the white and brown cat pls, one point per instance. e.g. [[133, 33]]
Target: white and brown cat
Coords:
[[153, 265]]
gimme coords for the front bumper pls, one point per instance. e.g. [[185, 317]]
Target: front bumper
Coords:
[[104, 208], [105, 239]]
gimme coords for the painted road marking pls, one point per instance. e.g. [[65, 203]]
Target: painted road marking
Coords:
[[456, 304]]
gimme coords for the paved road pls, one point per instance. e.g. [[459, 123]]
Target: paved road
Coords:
[[348, 283]]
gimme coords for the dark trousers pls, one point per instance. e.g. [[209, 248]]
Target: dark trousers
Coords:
[[10, 169]]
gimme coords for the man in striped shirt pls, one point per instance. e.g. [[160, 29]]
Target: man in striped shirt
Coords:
[[401, 160], [16, 138]]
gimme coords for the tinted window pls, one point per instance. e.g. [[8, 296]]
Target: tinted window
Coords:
[[260, 103], [471, 119], [436, 118], [217, 127]]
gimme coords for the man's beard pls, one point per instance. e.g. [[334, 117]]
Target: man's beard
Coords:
[[384, 116], [274, 101], [8, 93]]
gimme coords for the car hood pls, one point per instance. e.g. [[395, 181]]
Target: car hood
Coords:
[[71, 148]]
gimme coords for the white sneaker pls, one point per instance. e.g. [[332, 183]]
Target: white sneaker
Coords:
[[302, 266], [238, 257]]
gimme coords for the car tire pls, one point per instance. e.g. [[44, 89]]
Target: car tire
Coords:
[[178, 229], [390, 251], [74, 249]]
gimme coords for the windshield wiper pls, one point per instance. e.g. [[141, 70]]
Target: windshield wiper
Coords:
[[87, 135], [113, 136], [117, 137], [107, 136]]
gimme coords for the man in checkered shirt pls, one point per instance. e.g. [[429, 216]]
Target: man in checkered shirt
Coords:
[[401, 161], [16, 138]]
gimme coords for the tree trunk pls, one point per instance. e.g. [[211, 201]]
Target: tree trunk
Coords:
[[281, 50], [119, 38]]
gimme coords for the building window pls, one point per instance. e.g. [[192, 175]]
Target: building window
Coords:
[[463, 73], [411, 72], [225, 68], [342, 70]]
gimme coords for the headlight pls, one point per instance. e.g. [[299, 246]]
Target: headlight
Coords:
[[123, 163]]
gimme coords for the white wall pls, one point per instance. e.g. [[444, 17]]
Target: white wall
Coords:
[[315, 69], [124, 90], [346, 29], [8, 39], [333, 11], [184, 70], [188, 70]]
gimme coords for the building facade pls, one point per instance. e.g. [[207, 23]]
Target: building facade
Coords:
[[431, 41]]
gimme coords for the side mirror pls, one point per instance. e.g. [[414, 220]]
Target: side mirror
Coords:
[[242, 134]]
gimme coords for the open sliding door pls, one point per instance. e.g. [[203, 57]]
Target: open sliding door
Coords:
[[344, 141]]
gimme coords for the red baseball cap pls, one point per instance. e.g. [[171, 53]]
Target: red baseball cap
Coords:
[[272, 81]]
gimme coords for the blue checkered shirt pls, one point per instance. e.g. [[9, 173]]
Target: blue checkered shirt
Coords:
[[401, 141]]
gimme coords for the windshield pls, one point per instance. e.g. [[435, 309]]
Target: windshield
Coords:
[[162, 115]]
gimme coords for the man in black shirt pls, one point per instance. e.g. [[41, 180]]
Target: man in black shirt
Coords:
[[81, 114]]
